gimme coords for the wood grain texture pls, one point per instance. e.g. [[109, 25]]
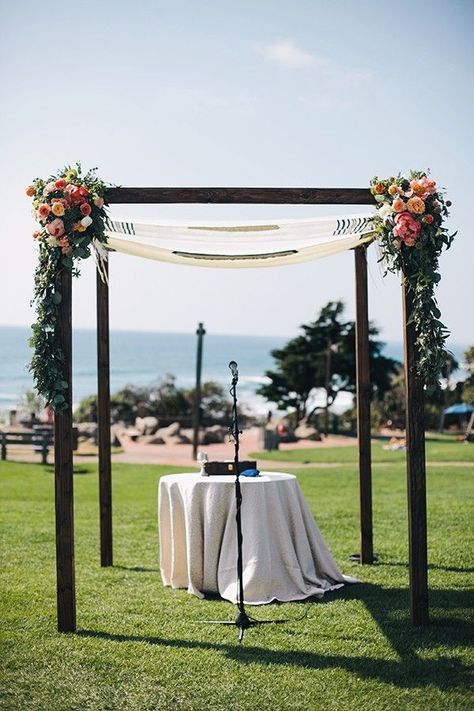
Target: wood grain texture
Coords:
[[290, 196], [63, 470], [363, 407], [103, 420], [416, 475]]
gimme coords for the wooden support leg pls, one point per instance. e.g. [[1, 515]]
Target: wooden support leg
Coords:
[[363, 407], [416, 476], [103, 419], [63, 471]]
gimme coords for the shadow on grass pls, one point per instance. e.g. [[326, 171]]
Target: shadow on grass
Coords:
[[431, 566], [388, 609], [136, 568]]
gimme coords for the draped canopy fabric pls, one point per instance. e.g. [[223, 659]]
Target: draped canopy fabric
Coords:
[[240, 244]]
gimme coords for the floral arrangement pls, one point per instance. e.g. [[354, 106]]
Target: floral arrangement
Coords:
[[409, 224], [70, 210]]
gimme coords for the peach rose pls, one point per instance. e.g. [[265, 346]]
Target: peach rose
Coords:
[[428, 219], [85, 209], [77, 227], [417, 187], [379, 189], [58, 209], [43, 211], [393, 189], [65, 246], [30, 190], [98, 201], [416, 205], [399, 205]]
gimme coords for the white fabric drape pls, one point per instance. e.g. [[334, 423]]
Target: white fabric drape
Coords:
[[240, 245]]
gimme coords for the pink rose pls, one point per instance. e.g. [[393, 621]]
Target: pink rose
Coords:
[[86, 209], [56, 227], [407, 229]]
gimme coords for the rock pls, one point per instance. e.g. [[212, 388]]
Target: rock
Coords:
[[132, 433], [152, 439], [216, 434], [147, 425], [304, 431], [87, 431], [115, 434], [169, 431], [177, 439]]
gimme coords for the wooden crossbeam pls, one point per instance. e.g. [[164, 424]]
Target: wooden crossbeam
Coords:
[[269, 196]]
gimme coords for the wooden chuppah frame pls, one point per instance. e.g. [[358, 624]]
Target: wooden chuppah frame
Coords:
[[414, 400]]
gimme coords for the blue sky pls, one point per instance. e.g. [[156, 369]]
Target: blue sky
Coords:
[[224, 93]]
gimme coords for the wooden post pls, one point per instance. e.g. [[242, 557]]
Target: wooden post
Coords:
[[197, 393], [103, 419], [63, 469], [416, 477], [363, 407]]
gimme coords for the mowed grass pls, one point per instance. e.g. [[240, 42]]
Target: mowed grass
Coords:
[[140, 646], [438, 449]]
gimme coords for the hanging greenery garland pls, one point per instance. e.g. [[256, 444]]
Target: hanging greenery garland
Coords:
[[70, 209], [409, 224]]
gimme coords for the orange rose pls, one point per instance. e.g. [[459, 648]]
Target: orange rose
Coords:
[[43, 211], [77, 227], [393, 190], [57, 209], [379, 189], [30, 190], [399, 205], [418, 188], [416, 205]]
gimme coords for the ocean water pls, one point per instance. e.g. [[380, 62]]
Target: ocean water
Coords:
[[141, 358]]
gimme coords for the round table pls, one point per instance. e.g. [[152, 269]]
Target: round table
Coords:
[[284, 555]]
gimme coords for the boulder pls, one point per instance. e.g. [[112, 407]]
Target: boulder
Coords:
[[152, 439], [216, 434], [87, 431], [147, 425], [177, 439], [132, 433], [170, 431], [304, 431]]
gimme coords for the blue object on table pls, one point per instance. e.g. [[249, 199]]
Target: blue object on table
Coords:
[[250, 472]]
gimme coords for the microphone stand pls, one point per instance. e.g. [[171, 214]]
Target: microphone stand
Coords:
[[242, 620]]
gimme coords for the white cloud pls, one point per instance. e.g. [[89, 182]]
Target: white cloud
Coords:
[[287, 54]]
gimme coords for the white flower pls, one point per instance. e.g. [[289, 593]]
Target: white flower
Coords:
[[48, 188], [86, 221], [385, 211], [52, 241]]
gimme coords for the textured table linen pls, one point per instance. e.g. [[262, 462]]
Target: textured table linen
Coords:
[[284, 555]]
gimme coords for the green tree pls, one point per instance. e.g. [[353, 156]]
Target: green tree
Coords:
[[468, 385], [324, 357]]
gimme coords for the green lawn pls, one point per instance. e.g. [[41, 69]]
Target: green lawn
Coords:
[[140, 646], [438, 449]]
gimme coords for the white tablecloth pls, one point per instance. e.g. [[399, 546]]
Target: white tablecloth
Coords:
[[285, 557]]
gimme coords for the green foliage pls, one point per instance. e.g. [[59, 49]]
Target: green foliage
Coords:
[[67, 200], [468, 385], [415, 253], [323, 357], [162, 399]]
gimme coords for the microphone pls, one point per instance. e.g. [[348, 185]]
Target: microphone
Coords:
[[234, 369]]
